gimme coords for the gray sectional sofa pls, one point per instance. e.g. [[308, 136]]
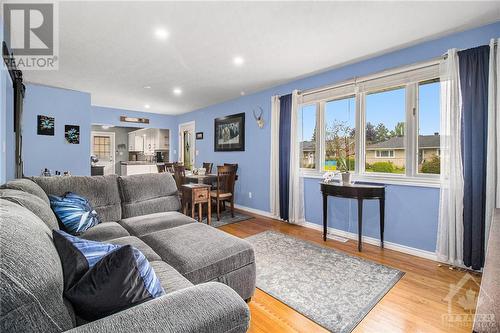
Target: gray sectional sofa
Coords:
[[206, 273]]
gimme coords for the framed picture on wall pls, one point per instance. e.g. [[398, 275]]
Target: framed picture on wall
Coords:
[[229, 133], [72, 134], [199, 135], [45, 125]]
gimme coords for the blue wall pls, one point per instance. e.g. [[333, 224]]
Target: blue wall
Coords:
[[109, 116], [412, 212], [68, 107]]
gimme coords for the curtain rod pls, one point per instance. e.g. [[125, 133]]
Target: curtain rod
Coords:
[[445, 56], [375, 76]]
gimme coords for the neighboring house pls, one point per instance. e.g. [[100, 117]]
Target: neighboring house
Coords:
[[393, 150], [308, 149]]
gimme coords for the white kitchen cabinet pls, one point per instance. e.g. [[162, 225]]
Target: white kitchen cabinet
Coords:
[[131, 141], [148, 140], [135, 141], [162, 139], [138, 143]]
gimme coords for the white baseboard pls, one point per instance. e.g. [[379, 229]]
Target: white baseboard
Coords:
[[335, 233], [374, 241], [255, 211]]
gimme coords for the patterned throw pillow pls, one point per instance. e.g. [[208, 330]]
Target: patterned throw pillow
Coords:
[[102, 278], [74, 212]]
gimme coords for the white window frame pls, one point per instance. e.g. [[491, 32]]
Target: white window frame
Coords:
[[407, 77]]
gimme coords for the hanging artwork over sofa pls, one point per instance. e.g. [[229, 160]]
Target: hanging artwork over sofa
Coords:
[[45, 125], [72, 134], [229, 133]]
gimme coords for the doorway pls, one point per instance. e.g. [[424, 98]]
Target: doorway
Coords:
[[187, 144], [103, 147]]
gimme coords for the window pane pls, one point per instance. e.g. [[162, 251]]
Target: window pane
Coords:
[[428, 127], [385, 131], [340, 144], [307, 133]]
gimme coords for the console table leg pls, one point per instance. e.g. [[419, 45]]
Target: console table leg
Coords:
[[382, 220], [360, 222], [325, 215]]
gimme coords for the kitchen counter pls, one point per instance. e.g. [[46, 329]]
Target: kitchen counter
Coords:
[[137, 163]]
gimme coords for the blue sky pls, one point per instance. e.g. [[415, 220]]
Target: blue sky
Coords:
[[386, 107]]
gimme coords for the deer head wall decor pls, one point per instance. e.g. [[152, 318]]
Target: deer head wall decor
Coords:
[[259, 118]]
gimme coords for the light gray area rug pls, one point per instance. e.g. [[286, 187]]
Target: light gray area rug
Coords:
[[225, 218], [330, 287]]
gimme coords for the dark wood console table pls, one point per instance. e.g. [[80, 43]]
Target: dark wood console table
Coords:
[[354, 191]]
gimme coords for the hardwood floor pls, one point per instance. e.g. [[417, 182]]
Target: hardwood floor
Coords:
[[417, 303]]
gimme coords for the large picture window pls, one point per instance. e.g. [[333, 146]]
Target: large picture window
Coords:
[[383, 126]]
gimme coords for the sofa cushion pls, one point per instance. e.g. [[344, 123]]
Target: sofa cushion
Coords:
[[199, 252], [31, 276], [101, 191], [138, 244], [146, 224], [27, 185], [120, 280], [74, 212], [78, 255], [148, 194], [36, 205], [170, 279], [105, 231]]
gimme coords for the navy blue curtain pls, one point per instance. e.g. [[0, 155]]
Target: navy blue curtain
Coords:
[[284, 153], [473, 65]]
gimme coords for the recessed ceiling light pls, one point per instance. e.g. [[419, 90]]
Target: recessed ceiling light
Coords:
[[177, 91], [161, 33], [147, 106], [242, 93], [238, 61], [147, 87]]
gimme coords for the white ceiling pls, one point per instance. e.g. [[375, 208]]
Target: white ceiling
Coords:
[[109, 48]]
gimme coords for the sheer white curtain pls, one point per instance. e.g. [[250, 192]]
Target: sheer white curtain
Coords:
[[449, 247], [493, 152], [296, 200], [275, 157]]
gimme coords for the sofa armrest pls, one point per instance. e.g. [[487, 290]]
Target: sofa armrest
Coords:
[[209, 307]]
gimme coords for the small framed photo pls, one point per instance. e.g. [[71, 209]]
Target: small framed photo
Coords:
[[45, 125], [199, 135], [72, 134], [229, 133]]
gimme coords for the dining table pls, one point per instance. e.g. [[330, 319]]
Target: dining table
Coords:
[[207, 178]]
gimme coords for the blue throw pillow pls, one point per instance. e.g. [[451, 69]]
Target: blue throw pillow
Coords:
[[102, 278], [74, 212]]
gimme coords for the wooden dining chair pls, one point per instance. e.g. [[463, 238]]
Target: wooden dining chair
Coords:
[[169, 167], [161, 168], [179, 175], [208, 167], [225, 187], [235, 165]]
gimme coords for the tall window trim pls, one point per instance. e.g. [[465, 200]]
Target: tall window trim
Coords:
[[408, 77]]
